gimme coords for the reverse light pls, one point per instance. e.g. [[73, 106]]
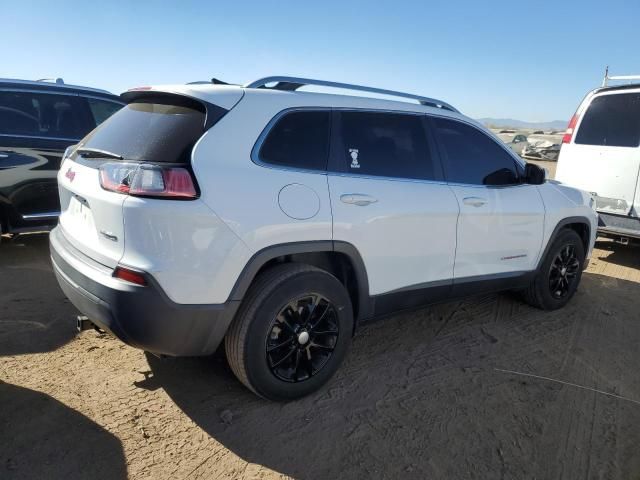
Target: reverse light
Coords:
[[130, 276], [145, 180], [568, 134]]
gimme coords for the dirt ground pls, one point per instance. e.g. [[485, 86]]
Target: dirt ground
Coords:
[[483, 388]]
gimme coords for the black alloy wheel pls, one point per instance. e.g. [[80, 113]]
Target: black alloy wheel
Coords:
[[564, 271], [302, 338]]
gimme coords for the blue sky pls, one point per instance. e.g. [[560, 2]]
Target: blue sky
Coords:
[[490, 59]]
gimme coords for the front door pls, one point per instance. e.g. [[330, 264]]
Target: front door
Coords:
[[501, 219]]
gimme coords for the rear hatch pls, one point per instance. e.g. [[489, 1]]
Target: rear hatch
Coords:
[[152, 135], [602, 154]]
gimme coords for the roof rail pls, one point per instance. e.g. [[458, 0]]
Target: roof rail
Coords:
[[293, 83], [57, 84], [605, 80]]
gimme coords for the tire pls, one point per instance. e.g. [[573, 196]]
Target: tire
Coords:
[[266, 345], [545, 292]]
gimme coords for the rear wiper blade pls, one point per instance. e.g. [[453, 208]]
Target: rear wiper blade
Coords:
[[87, 152]]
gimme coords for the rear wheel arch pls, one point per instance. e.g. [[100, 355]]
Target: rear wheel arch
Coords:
[[341, 259]]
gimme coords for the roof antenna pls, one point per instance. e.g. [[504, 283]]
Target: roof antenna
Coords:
[[606, 76]]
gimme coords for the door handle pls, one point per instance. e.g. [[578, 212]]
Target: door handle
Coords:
[[474, 201], [359, 199]]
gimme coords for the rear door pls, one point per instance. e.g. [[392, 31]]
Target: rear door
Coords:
[[389, 200], [501, 219], [603, 157], [159, 130]]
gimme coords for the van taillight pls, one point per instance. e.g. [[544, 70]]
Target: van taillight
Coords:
[[145, 180], [568, 134]]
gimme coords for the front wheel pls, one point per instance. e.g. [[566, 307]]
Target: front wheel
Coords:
[[291, 332], [559, 275]]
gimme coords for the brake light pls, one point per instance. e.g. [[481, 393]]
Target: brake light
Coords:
[[568, 134], [130, 276], [145, 180]]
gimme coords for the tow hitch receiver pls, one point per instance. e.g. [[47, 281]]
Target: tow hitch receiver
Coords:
[[83, 323]]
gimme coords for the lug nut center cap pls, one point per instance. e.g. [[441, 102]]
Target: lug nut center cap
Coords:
[[303, 337], [563, 271]]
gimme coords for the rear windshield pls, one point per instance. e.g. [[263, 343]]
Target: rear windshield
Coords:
[[611, 120], [151, 131]]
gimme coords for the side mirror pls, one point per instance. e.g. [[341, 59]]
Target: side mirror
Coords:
[[534, 175]]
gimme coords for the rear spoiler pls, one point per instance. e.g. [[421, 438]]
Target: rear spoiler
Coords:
[[213, 113]]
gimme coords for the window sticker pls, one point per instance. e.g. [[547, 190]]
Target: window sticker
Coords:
[[354, 157]]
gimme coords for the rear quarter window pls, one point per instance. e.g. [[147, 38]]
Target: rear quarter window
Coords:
[[611, 120], [299, 139]]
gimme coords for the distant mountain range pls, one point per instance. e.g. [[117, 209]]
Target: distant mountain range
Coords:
[[519, 124]]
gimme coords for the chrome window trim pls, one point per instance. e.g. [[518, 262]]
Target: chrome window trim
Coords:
[[40, 216], [255, 158], [255, 151]]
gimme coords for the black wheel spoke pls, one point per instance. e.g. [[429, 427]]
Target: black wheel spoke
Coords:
[[296, 364], [280, 345], [564, 270], [333, 333], [313, 326], [307, 326], [283, 359], [321, 347]]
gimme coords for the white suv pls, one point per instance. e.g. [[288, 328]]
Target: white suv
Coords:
[[279, 220]]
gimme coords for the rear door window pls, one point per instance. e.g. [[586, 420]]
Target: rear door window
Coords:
[[43, 115], [156, 129], [102, 109], [472, 157], [385, 144], [299, 139], [611, 120]]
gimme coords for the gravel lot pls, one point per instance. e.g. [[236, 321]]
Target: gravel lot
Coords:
[[484, 388]]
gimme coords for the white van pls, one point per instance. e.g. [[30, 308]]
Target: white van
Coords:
[[601, 154]]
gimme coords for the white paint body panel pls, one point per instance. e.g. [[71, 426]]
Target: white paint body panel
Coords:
[[406, 237], [610, 172], [197, 249], [187, 248], [560, 202], [503, 234]]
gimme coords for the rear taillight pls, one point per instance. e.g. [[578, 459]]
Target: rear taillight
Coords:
[[568, 134], [145, 180]]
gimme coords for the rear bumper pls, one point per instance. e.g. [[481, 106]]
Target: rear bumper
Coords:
[[618, 225], [143, 317]]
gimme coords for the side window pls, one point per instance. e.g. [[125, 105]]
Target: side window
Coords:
[[102, 109], [385, 144], [299, 139], [42, 115], [611, 120], [473, 157]]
